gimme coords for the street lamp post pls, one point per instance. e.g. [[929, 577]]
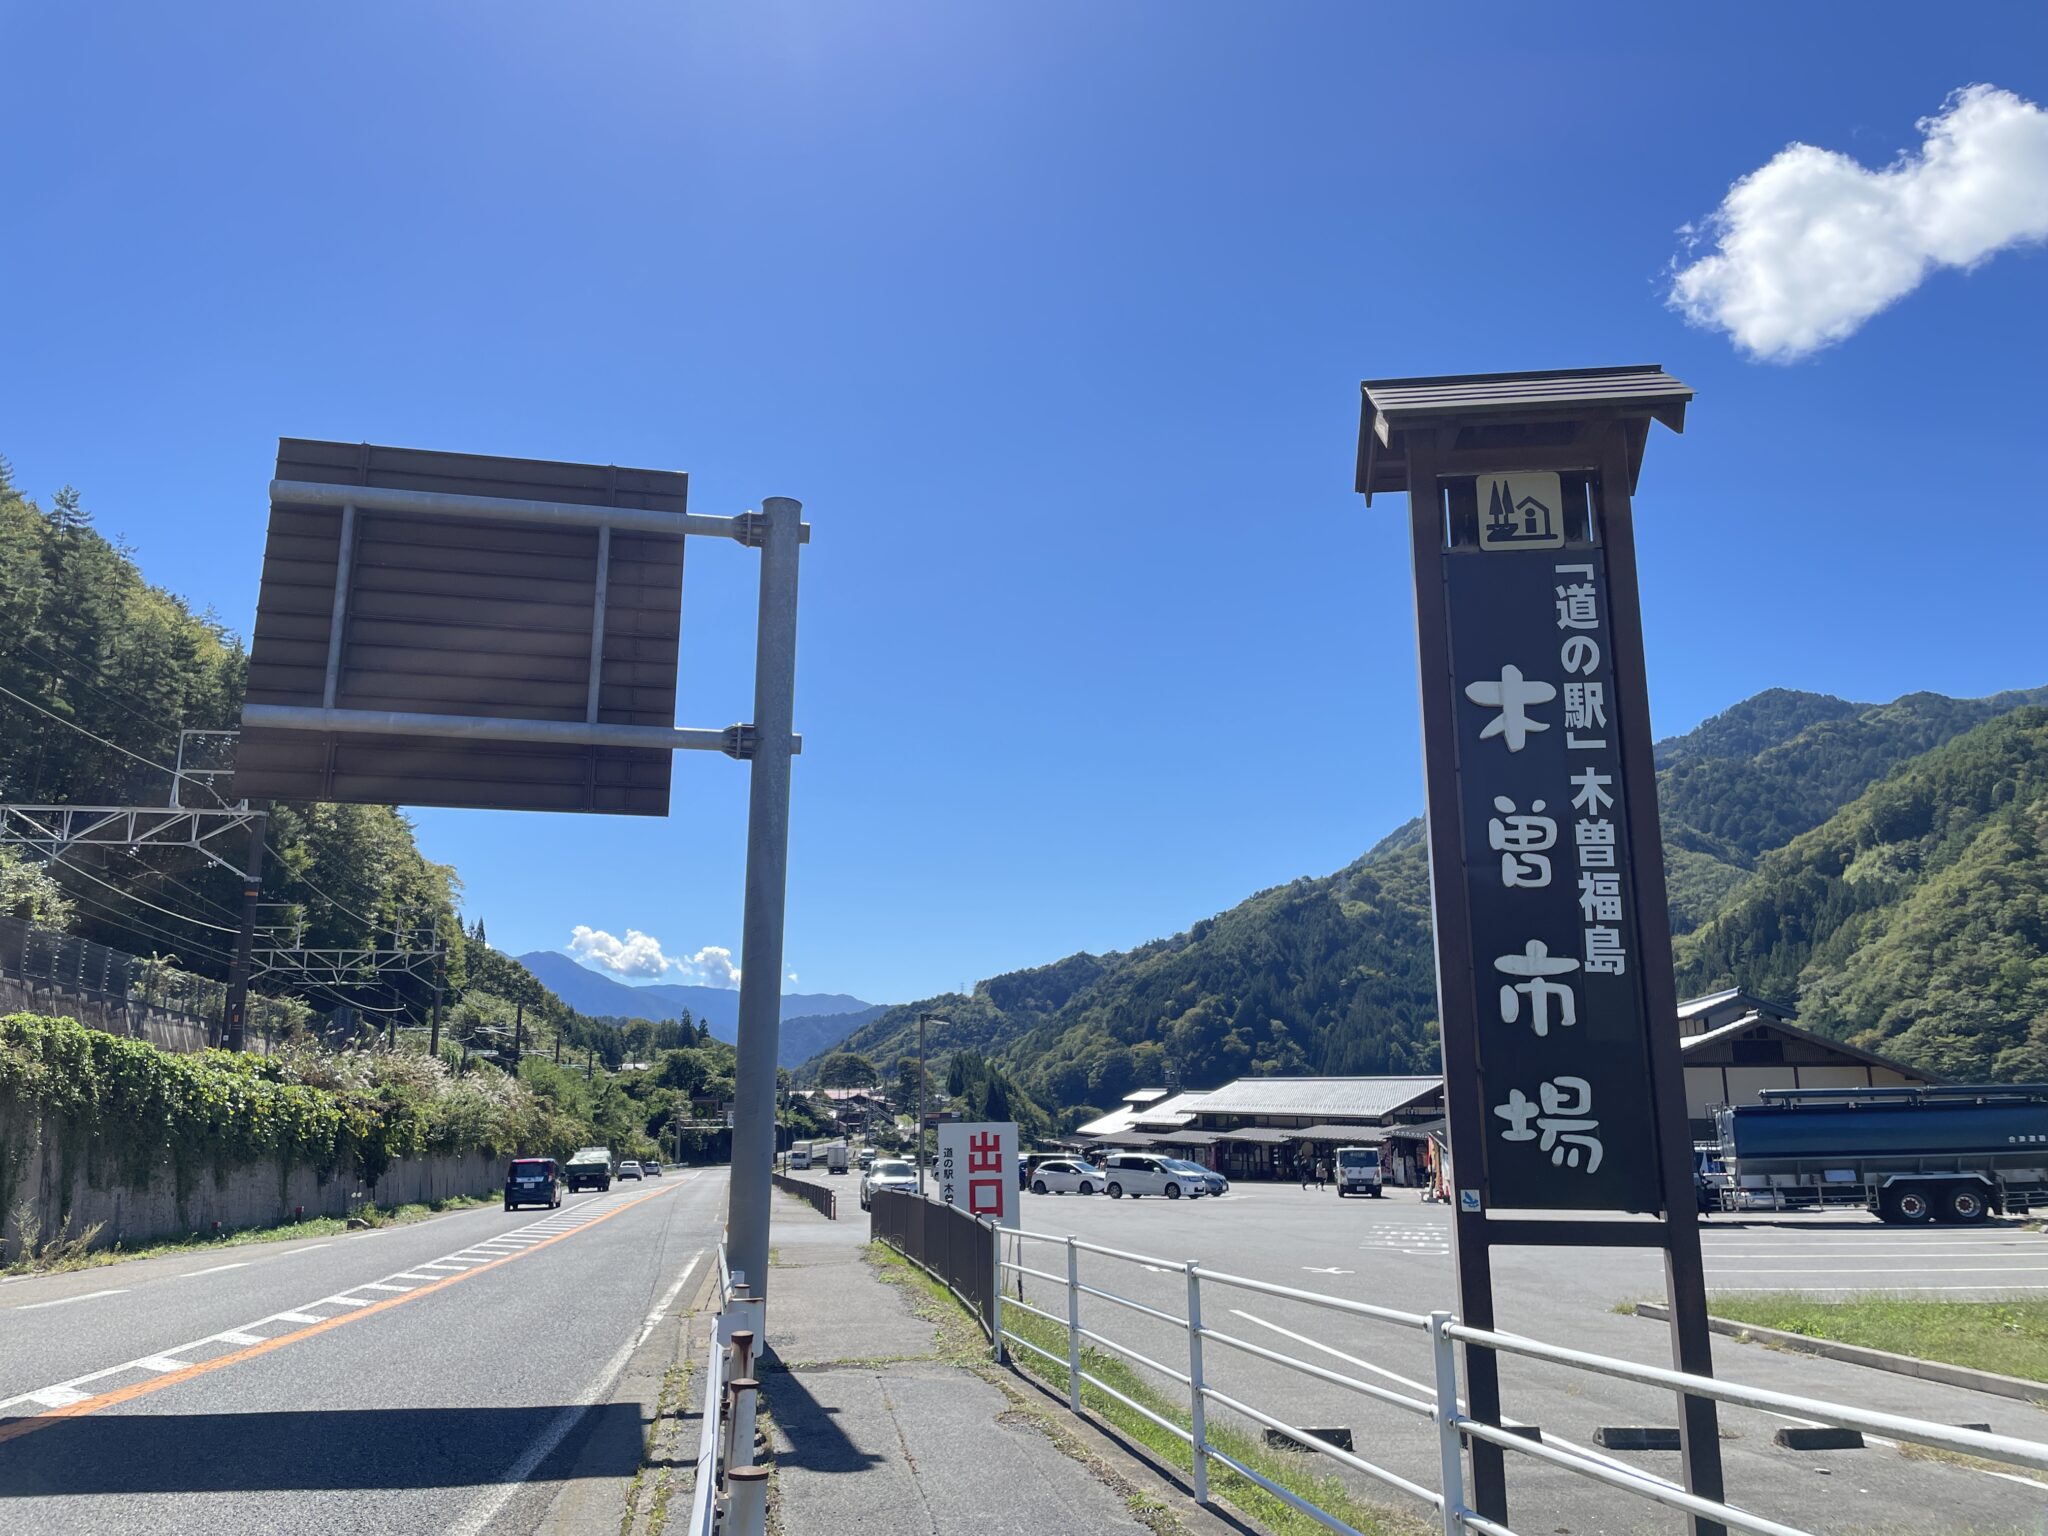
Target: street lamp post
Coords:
[[921, 1020]]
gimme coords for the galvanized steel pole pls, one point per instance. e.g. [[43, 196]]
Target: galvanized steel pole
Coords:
[[753, 1136]]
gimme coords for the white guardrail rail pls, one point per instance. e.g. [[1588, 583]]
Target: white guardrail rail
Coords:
[[1442, 1407], [731, 1494]]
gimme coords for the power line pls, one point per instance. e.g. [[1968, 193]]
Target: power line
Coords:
[[199, 922], [112, 694], [32, 704]]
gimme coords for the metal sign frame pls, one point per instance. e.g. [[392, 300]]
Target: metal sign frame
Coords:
[[1416, 435], [310, 699]]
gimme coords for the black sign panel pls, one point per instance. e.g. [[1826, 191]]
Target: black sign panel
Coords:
[[1563, 1063]]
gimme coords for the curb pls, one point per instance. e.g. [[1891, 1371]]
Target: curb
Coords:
[[1877, 1359]]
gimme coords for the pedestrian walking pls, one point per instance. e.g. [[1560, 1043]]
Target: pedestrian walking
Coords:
[[1305, 1169], [1322, 1172]]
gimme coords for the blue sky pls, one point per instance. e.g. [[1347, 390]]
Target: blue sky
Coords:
[[1053, 317]]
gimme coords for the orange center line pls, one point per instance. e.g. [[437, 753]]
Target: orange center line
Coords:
[[16, 1428]]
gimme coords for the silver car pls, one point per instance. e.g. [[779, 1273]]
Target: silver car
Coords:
[[1066, 1176], [887, 1173]]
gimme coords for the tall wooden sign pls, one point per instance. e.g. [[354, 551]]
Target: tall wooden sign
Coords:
[[1559, 1022]]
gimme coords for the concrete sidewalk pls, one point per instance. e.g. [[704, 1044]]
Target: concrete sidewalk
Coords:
[[882, 1423]]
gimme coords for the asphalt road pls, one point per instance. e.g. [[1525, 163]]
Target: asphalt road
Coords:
[[1394, 1252], [452, 1376]]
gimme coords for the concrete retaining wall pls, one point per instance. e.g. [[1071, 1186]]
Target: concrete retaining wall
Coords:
[[248, 1197], [166, 1031]]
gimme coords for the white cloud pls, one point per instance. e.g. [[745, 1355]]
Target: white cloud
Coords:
[[712, 966], [640, 955], [792, 978], [1811, 245]]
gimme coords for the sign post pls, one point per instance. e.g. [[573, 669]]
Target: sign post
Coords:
[[977, 1169], [1563, 1086]]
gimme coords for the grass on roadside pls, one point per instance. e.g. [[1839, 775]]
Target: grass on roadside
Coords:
[[2009, 1337], [63, 1253], [1289, 1470]]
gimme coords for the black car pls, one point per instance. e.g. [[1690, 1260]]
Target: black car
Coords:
[[533, 1181]]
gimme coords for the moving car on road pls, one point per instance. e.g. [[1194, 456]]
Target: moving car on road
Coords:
[[590, 1168], [1066, 1176], [532, 1181], [1142, 1173], [867, 1157], [887, 1173], [629, 1169], [650, 1167], [1358, 1171]]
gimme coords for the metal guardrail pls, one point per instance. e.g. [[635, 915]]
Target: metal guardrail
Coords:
[[826, 1201], [954, 1248], [730, 1495], [1442, 1406]]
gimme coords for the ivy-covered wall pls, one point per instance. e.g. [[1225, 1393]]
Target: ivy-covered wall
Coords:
[[86, 1116]]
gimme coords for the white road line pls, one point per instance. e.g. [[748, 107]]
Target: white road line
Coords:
[[237, 1336], [292, 1317], [217, 1269], [163, 1365], [1979, 1286], [379, 1285], [406, 1274], [308, 1248], [1900, 1269], [662, 1306], [65, 1301], [487, 1508], [341, 1301], [55, 1397], [1429, 1392]]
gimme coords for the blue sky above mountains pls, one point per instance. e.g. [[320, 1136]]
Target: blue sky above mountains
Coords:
[[1054, 319]]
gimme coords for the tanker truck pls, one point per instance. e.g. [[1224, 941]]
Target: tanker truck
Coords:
[[1949, 1154]]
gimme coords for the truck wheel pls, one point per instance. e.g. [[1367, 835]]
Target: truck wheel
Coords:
[[1908, 1204], [1965, 1204], [1375, 1192]]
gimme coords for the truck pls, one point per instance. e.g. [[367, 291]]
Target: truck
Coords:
[[800, 1155], [1358, 1171], [1910, 1155], [835, 1157], [590, 1168]]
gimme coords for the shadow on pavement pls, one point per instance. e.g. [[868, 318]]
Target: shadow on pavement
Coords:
[[112, 1453], [817, 1442]]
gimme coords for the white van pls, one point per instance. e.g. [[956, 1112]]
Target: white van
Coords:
[[1139, 1173], [1358, 1171]]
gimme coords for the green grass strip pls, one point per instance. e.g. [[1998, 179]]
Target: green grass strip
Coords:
[[2009, 1337], [1289, 1469]]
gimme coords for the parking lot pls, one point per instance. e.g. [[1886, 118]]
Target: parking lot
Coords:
[[1395, 1252]]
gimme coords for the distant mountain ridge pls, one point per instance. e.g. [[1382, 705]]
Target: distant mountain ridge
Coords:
[[812, 1021], [1337, 974]]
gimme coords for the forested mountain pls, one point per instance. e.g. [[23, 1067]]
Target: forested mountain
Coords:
[[1915, 921], [1336, 975]]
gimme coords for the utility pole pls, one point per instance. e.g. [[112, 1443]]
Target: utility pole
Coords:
[[590, 1065], [558, 1042], [440, 975], [233, 1026], [921, 1076], [519, 1030], [778, 529]]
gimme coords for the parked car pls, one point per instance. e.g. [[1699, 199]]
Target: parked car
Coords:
[[1138, 1174], [1066, 1176], [1359, 1172], [650, 1167], [1212, 1182], [532, 1181], [629, 1169], [888, 1173]]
